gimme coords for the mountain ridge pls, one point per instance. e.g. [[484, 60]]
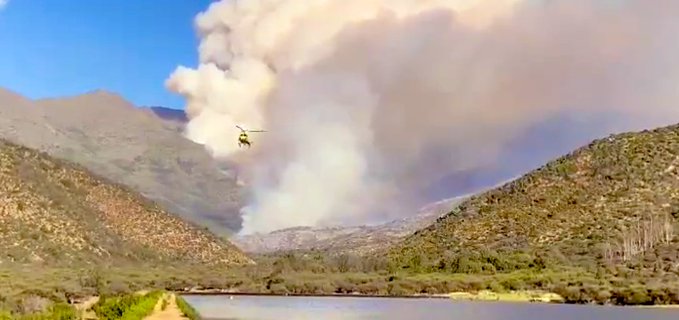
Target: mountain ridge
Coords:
[[130, 145]]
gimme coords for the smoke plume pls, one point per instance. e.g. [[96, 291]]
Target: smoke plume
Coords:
[[370, 103]]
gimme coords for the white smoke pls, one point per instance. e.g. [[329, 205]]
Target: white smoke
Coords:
[[368, 102]]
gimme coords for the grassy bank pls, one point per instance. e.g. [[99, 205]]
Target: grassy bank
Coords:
[[126, 306], [25, 289], [187, 309]]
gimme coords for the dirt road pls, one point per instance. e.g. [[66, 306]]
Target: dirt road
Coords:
[[171, 311]]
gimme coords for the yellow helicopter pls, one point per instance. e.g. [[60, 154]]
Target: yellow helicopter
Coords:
[[243, 138]]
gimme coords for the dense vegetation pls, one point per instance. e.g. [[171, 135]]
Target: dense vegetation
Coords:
[[344, 274], [608, 210]]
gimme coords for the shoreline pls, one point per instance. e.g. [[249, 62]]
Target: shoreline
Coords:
[[481, 296], [485, 296], [325, 295]]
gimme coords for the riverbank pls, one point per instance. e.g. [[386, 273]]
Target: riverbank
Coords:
[[485, 295], [512, 296], [519, 296], [25, 286], [567, 286], [527, 296], [227, 292]]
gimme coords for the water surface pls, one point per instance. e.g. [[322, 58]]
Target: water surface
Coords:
[[335, 308]]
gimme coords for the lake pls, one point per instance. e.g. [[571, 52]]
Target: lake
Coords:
[[335, 308]]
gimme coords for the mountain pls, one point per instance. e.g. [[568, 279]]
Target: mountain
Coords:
[[613, 203], [169, 114], [353, 239], [53, 212], [357, 239], [173, 118], [137, 147]]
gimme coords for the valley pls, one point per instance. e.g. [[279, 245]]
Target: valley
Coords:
[[339, 159], [569, 228]]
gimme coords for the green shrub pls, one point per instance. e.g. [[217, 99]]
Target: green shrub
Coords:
[[61, 311], [5, 315], [57, 311], [128, 307], [187, 309], [114, 307], [141, 309]]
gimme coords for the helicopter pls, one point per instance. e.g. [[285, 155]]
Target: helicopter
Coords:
[[243, 138]]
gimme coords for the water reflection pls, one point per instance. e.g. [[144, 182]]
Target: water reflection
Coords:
[[336, 308]]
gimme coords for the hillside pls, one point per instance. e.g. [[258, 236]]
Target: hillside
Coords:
[[359, 240], [613, 204], [139, 147], [53, 213], [356, 240]]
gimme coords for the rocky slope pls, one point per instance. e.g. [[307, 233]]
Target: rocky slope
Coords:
[[140, 148], [358, 239], [614, 202], [355, 240], [56, 213]]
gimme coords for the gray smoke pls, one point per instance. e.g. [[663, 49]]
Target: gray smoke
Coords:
[[369, 103]]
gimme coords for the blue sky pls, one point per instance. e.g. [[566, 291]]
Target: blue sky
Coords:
[[54, 48]]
